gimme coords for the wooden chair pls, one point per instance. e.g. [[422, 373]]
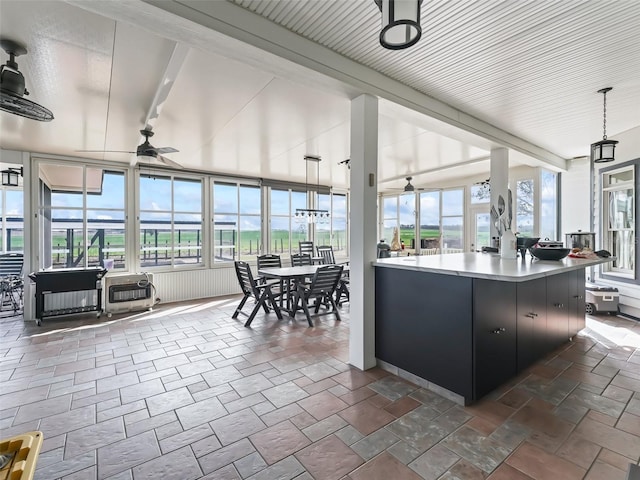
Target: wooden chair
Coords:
[[305, 247], [11, 282], [326, 252], [300, 259], [268, 261], [321, 289], [261, 293]]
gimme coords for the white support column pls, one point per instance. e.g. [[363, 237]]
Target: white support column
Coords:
[[30, 240], [499, 175], [363, 221]]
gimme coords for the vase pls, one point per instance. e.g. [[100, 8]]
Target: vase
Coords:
[[508, 244]]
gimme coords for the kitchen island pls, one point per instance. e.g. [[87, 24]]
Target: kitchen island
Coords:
[[463, 324]]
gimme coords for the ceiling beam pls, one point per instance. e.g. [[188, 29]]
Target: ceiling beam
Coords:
[[437, 169]]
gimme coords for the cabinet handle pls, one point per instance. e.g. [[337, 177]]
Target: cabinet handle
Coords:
[[534, 314], [530, 315], [577, 296], [498, 331], [559, 305]]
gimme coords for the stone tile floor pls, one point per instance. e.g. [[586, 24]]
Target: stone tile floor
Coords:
[[185, 392]]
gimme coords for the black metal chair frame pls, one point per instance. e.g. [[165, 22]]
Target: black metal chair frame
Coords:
[[326, 252], [321, 289], [260, 292], [11, 282]]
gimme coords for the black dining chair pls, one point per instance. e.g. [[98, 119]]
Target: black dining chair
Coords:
[[326, 252], [321, 289], [305, 247], [268, 261], [300, 259], [11, 282], [260, 292]]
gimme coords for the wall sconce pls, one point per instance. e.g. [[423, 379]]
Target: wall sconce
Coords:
[[604, 150], [10, 176], [400, 23]]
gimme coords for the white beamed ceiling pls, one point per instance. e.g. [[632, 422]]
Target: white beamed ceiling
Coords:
[[529, 68]]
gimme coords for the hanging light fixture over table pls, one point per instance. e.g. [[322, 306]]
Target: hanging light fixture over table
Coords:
[[312, 215], [604, 150], [400, 23]]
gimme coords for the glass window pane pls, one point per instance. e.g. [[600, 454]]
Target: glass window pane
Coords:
[[250, 200], [339, 241], [14, 218], [525, 210], [339, 205], [390, 207], [250, 241], [298, 200], [155, 239], [187, 238], [280, 202], [225, 236], [452, 234], [430, 220], [480, 193], [620, 177], [187, 195], [621, 209], [623, 248], [280, 235], [407, 219], [106, 237], [548, 206], [482, 231], [66, 239], [225, 198], [155, 193], [111, 193], [452, 202]]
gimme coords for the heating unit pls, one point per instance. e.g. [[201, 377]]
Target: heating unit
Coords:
[[128, 292]]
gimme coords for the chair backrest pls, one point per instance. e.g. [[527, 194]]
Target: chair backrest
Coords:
[[268, 261], [11, 264], [300, 259], [325, 280], [326, 252], [245, 277], [306, 247]]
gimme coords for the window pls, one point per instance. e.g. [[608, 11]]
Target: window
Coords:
[[170, 220], [430, 231], [452, 221], [525, 208], [481, 193], [389, 218], [619, 220], [548, 205], [237, 221], [12, 218], [286, 230], [81, 216], [333, 230]]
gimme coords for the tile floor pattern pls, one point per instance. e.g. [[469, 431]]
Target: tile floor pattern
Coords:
[[185, 392]]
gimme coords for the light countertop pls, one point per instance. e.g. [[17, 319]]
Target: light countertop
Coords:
[[488, 266]]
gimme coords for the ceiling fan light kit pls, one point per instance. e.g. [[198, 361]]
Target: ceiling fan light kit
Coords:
[[12, 87], [400, 23], [312, 215], [604, 150]]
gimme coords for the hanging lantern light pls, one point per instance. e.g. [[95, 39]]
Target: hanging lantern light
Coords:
[[400, 23], [604, 150]]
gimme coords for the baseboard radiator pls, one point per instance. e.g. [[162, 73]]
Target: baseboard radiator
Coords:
[[128, 293]]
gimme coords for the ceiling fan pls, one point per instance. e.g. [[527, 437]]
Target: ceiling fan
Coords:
[[12, 87], [145, 152]]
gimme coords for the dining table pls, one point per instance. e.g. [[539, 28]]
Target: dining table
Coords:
[[289, 277]]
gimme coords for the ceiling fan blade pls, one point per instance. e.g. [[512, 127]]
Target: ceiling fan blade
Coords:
[[169, 162], [166, 150], [104, 151]]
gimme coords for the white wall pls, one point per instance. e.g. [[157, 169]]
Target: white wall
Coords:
[[574, 185]]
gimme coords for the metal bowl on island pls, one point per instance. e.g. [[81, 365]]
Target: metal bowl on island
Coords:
[[549, 253]]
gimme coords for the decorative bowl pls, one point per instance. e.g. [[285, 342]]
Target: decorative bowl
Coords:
[[549, 253], [526, 242]]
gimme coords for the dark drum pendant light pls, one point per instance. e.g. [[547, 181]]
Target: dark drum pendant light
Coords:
[[400, 23], [604, 150]]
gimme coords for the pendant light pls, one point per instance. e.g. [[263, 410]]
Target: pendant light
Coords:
[[400, 23], [312, 215], [604, 150]]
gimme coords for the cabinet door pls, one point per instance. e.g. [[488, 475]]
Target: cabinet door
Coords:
[[558, 309], [532, 321], [494, 334], [576, 301]]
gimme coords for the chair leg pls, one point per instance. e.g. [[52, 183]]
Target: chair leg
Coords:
[[274, 303], [305, 307], [262, 302], [335, 307], [242, 302]]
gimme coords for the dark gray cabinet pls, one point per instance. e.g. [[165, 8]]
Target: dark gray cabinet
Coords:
[[576, 301], [494, 334], [557, 310], [531, 321]]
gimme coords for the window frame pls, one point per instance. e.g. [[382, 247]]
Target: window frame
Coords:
[[606, 270]]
